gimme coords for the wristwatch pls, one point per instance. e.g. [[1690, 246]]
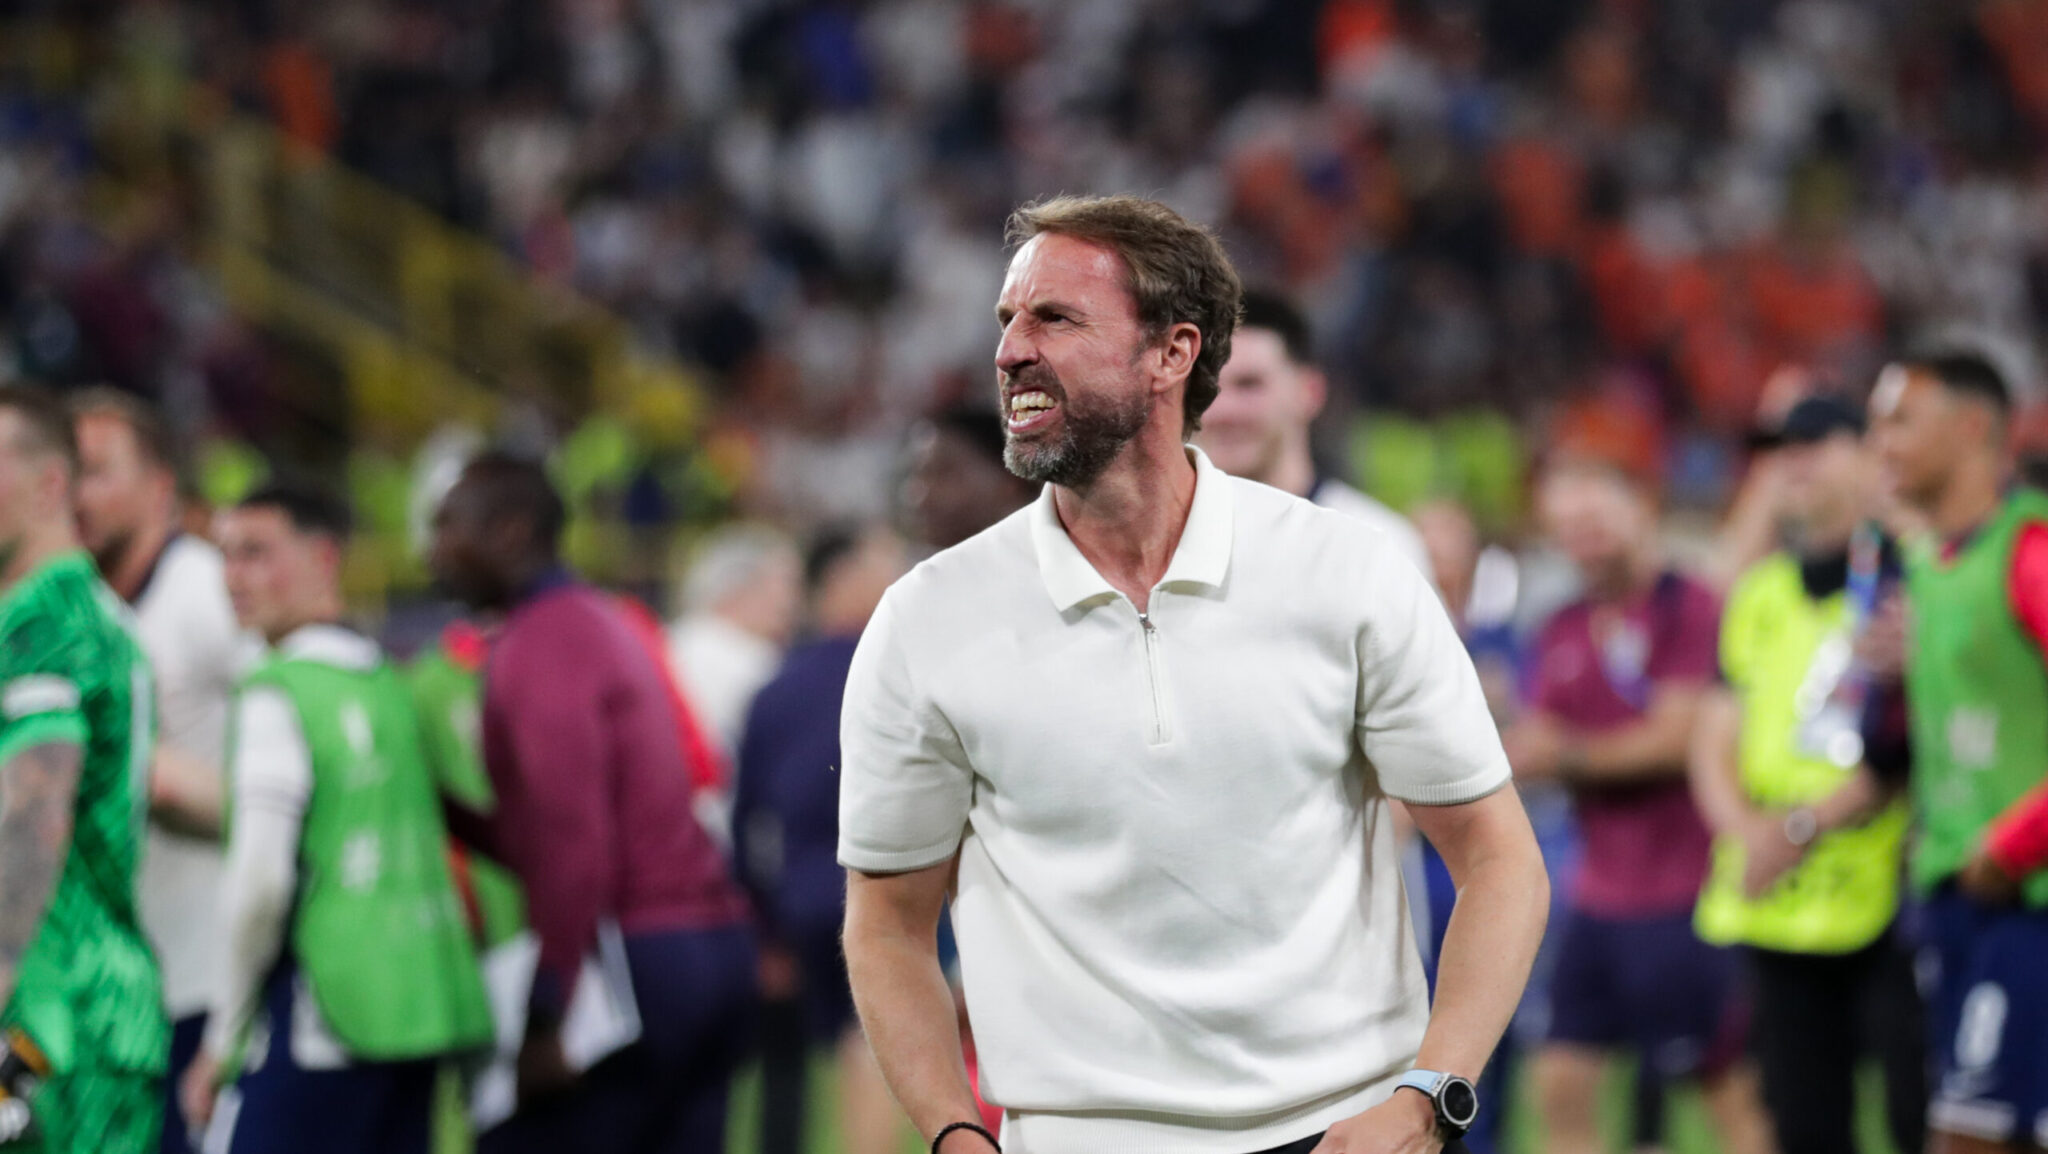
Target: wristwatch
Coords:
[[1802, 825], [1456, 1102]]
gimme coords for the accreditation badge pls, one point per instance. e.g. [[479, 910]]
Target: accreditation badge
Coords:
[[1829, 705]]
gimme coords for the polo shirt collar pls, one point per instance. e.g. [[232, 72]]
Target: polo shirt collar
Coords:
[[156, 566], [329, 644], [1202, 557]]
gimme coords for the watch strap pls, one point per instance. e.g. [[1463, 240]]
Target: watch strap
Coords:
[[1431, 1084], [1424, 1080]]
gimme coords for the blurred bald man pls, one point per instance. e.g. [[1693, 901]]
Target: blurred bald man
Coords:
[[957, 484]]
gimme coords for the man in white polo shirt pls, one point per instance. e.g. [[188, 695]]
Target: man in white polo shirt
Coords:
[[1146, 731]]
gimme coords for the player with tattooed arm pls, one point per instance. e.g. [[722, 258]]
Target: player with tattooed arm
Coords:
[[83, 1019]]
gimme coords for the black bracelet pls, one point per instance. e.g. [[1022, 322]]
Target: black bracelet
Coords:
[[974, 1126]]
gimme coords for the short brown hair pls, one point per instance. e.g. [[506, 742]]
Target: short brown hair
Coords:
[[46, 423], [152, 433], [1176, 271]]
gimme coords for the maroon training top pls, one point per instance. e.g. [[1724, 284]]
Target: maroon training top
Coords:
[[1646, 847], [593, 814]]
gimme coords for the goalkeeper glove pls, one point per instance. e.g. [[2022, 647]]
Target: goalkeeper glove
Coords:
[[22, 1069]]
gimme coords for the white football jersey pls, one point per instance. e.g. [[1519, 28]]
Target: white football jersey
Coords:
[[188, 630]]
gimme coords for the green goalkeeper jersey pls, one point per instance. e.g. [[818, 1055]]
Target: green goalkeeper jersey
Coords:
[[70, 671]]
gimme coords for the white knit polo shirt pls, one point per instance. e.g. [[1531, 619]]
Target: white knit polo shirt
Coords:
[[1180, 913]]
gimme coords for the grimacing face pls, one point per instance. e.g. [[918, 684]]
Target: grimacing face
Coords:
[[1264, 398], [1067, 366]]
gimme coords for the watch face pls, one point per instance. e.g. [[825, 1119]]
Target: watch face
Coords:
[[1459, 1101]]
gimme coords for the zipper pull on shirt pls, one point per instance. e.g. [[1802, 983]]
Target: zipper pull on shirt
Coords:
[[1158, 732]]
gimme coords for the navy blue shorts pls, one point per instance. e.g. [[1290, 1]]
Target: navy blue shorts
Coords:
[[1648, 985], [277, 1107], [1988, 1018]]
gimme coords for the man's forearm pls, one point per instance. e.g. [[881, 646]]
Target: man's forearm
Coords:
[[1652, 748], [273, 786], [1644, 751], [906, 1008], [185, 794], [1852, 802], [907, 1011], [1718, 795], [1503, 904], [1716, 782], [1487, 952], [37, 787], [256, 896]]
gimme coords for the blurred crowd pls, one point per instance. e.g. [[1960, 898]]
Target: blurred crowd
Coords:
[[1641, 235], [1507, 206]]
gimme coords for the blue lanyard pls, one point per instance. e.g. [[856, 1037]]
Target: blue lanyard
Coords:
[[1866, 565]]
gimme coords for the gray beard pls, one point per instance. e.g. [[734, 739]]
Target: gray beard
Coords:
[[1089, 439]]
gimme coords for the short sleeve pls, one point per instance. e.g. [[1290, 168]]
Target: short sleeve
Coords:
[[1687, 642], [1422, 717], [905, 785], [273, 769], [42, 698], [1739, 628], [40, 709], [2028, 581]]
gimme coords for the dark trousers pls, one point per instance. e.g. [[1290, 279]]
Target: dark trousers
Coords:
[[664, 1094], [785, 1076], [186, 1034], [365, 1108], [1818, 1017], [818, 1013]]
